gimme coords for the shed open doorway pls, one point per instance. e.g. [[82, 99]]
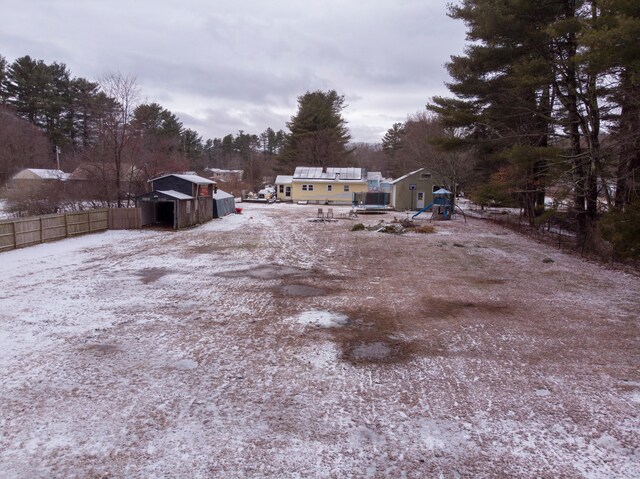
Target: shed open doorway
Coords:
[[165, 213]]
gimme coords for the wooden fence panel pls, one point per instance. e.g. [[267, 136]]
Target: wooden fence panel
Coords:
[[28, 231], [77, 223], [125, 218], [53, 227], [7, 236], [98, 220]]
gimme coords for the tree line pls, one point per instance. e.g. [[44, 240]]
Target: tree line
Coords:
[[546, 101], [45, 110]]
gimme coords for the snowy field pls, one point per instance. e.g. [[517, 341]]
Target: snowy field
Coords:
[[265, 345]]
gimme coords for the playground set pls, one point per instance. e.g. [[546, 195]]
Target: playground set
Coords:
[[442, 207]]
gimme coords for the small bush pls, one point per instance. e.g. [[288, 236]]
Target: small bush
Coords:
[[548, 260], [357, 227]]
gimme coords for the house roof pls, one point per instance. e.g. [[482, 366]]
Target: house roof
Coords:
[[283, 179], [331, 173], [198, 180], [100, 171], [43, 174], [442, 191], [398, 180], [374, 176]]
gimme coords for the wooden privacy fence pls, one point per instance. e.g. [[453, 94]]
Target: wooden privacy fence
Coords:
[[19, 233], [124, 218]]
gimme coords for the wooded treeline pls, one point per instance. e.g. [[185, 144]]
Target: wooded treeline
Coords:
[[547, 94], [44, 110]]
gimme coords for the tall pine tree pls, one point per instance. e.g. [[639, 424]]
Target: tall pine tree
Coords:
[[318, 132]]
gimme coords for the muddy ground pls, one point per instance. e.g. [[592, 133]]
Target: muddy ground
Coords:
[[266, 345]]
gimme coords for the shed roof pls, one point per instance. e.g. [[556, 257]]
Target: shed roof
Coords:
[[198, 180], [221, 195], [176, 194]]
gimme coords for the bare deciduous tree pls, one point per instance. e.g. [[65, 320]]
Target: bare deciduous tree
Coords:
[[116, 135]]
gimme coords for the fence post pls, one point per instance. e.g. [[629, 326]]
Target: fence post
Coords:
[[15, 235], [41, 231], [89, 218], [66, 226]]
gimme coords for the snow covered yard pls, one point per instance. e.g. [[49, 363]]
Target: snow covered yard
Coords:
[[264, 345]]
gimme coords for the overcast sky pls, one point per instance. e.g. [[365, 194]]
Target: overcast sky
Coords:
[[223, 66]]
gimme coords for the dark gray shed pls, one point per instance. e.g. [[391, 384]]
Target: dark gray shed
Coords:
[[177, 200]]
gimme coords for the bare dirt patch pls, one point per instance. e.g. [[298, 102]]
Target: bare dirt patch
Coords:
[[447, 309], [300, 290], [149, 275], [268, 272], [101, 348]]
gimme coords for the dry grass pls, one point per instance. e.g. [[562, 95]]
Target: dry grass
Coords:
[[426, 229]]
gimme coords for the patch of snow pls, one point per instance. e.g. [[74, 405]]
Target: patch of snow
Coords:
[[322, 319]]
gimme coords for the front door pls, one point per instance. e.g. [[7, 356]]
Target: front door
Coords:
[[420, 201]]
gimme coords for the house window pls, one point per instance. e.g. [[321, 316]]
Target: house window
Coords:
[[304, 187], [346, 187], [307, 187], [329, 187], [281, 188]]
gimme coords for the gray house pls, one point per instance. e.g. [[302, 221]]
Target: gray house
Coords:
[[177, 200]]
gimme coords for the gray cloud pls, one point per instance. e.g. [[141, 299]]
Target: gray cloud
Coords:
[[224, 66]]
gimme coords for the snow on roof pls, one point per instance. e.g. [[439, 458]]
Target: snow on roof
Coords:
[[176, 194], [374, 175], [405, 176], [199, 180], [219, 195], [442, 191], [283, 179], [331, 173], [49, 174]]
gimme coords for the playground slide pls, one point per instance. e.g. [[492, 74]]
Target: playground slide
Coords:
[[423, 209]]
